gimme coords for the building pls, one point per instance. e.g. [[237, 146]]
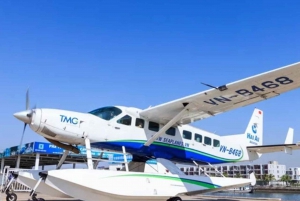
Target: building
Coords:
[[239, 170], [36, 154], [42, 154], [294, 173]]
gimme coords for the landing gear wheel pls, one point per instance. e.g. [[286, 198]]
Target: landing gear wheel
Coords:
[[175, 199], [34, 198], [11, 197]]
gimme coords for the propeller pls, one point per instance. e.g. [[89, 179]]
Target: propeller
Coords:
[[25, 116]]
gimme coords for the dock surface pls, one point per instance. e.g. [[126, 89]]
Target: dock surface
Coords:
[[25, 197]]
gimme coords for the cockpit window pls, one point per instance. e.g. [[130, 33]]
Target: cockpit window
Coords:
[[106, 113]]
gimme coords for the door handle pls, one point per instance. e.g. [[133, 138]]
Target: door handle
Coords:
[[117, 127]]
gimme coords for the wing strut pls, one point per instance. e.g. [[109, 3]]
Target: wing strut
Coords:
[[62, 159], [167, 126]]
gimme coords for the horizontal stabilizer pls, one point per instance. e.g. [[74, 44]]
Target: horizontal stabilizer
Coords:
[[274, 148], [287, 147]]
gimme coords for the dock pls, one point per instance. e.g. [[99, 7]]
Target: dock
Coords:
[[25, 197]]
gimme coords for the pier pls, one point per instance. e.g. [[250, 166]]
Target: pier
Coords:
[[25, 197]]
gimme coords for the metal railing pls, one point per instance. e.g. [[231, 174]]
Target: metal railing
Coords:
[[18, 187], [15, 186]]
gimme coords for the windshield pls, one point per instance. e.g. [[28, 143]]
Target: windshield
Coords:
[[106, 113]]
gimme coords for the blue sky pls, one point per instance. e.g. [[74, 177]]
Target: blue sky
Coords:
[[81, 55]]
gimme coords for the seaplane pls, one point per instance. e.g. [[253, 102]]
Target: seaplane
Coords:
[[162, 132]]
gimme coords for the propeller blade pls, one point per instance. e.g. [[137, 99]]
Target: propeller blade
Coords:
[[28, 115], [22, 137], [24, 129], [27, 100]]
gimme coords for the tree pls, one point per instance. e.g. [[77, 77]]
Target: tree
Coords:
[[285, 178], [268, 177], [238, 175], [272, 177]]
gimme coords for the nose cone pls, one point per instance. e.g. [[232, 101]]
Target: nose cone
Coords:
[[24, 116]]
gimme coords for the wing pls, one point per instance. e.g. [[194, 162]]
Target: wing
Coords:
[[227, 97], [287, 148]]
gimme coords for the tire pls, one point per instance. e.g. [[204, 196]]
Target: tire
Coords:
[[40, 199], [176, 199], [11, 197]]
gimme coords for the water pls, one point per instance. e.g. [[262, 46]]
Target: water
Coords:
[[283, 196]]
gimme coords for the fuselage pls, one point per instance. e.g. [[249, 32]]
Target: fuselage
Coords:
[[110, 128]]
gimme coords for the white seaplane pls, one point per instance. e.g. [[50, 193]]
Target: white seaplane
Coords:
[[162, 131]]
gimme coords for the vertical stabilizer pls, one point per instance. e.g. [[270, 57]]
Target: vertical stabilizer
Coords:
[[289, 136], [254, 132]]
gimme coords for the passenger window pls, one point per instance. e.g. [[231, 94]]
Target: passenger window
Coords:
[[198, 137], [187, 135], [171, 131], [139, 123], [216, 143], [153, 126], [126, 120], [207, 140]]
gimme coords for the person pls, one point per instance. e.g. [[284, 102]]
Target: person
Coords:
[[112, 114], [139, 123]]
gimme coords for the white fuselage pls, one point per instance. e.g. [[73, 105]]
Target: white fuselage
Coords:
[[180, 143]]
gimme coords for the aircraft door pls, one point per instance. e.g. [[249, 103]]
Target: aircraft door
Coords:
[[120, 128], [98, 129]]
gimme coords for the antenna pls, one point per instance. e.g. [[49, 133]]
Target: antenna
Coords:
[[220, 88], [209, 85]]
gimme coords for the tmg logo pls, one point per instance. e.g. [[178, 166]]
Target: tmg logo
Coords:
[[72, 120]]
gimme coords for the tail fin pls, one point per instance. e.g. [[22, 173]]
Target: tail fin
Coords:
[[290, 136], [254, 132]]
